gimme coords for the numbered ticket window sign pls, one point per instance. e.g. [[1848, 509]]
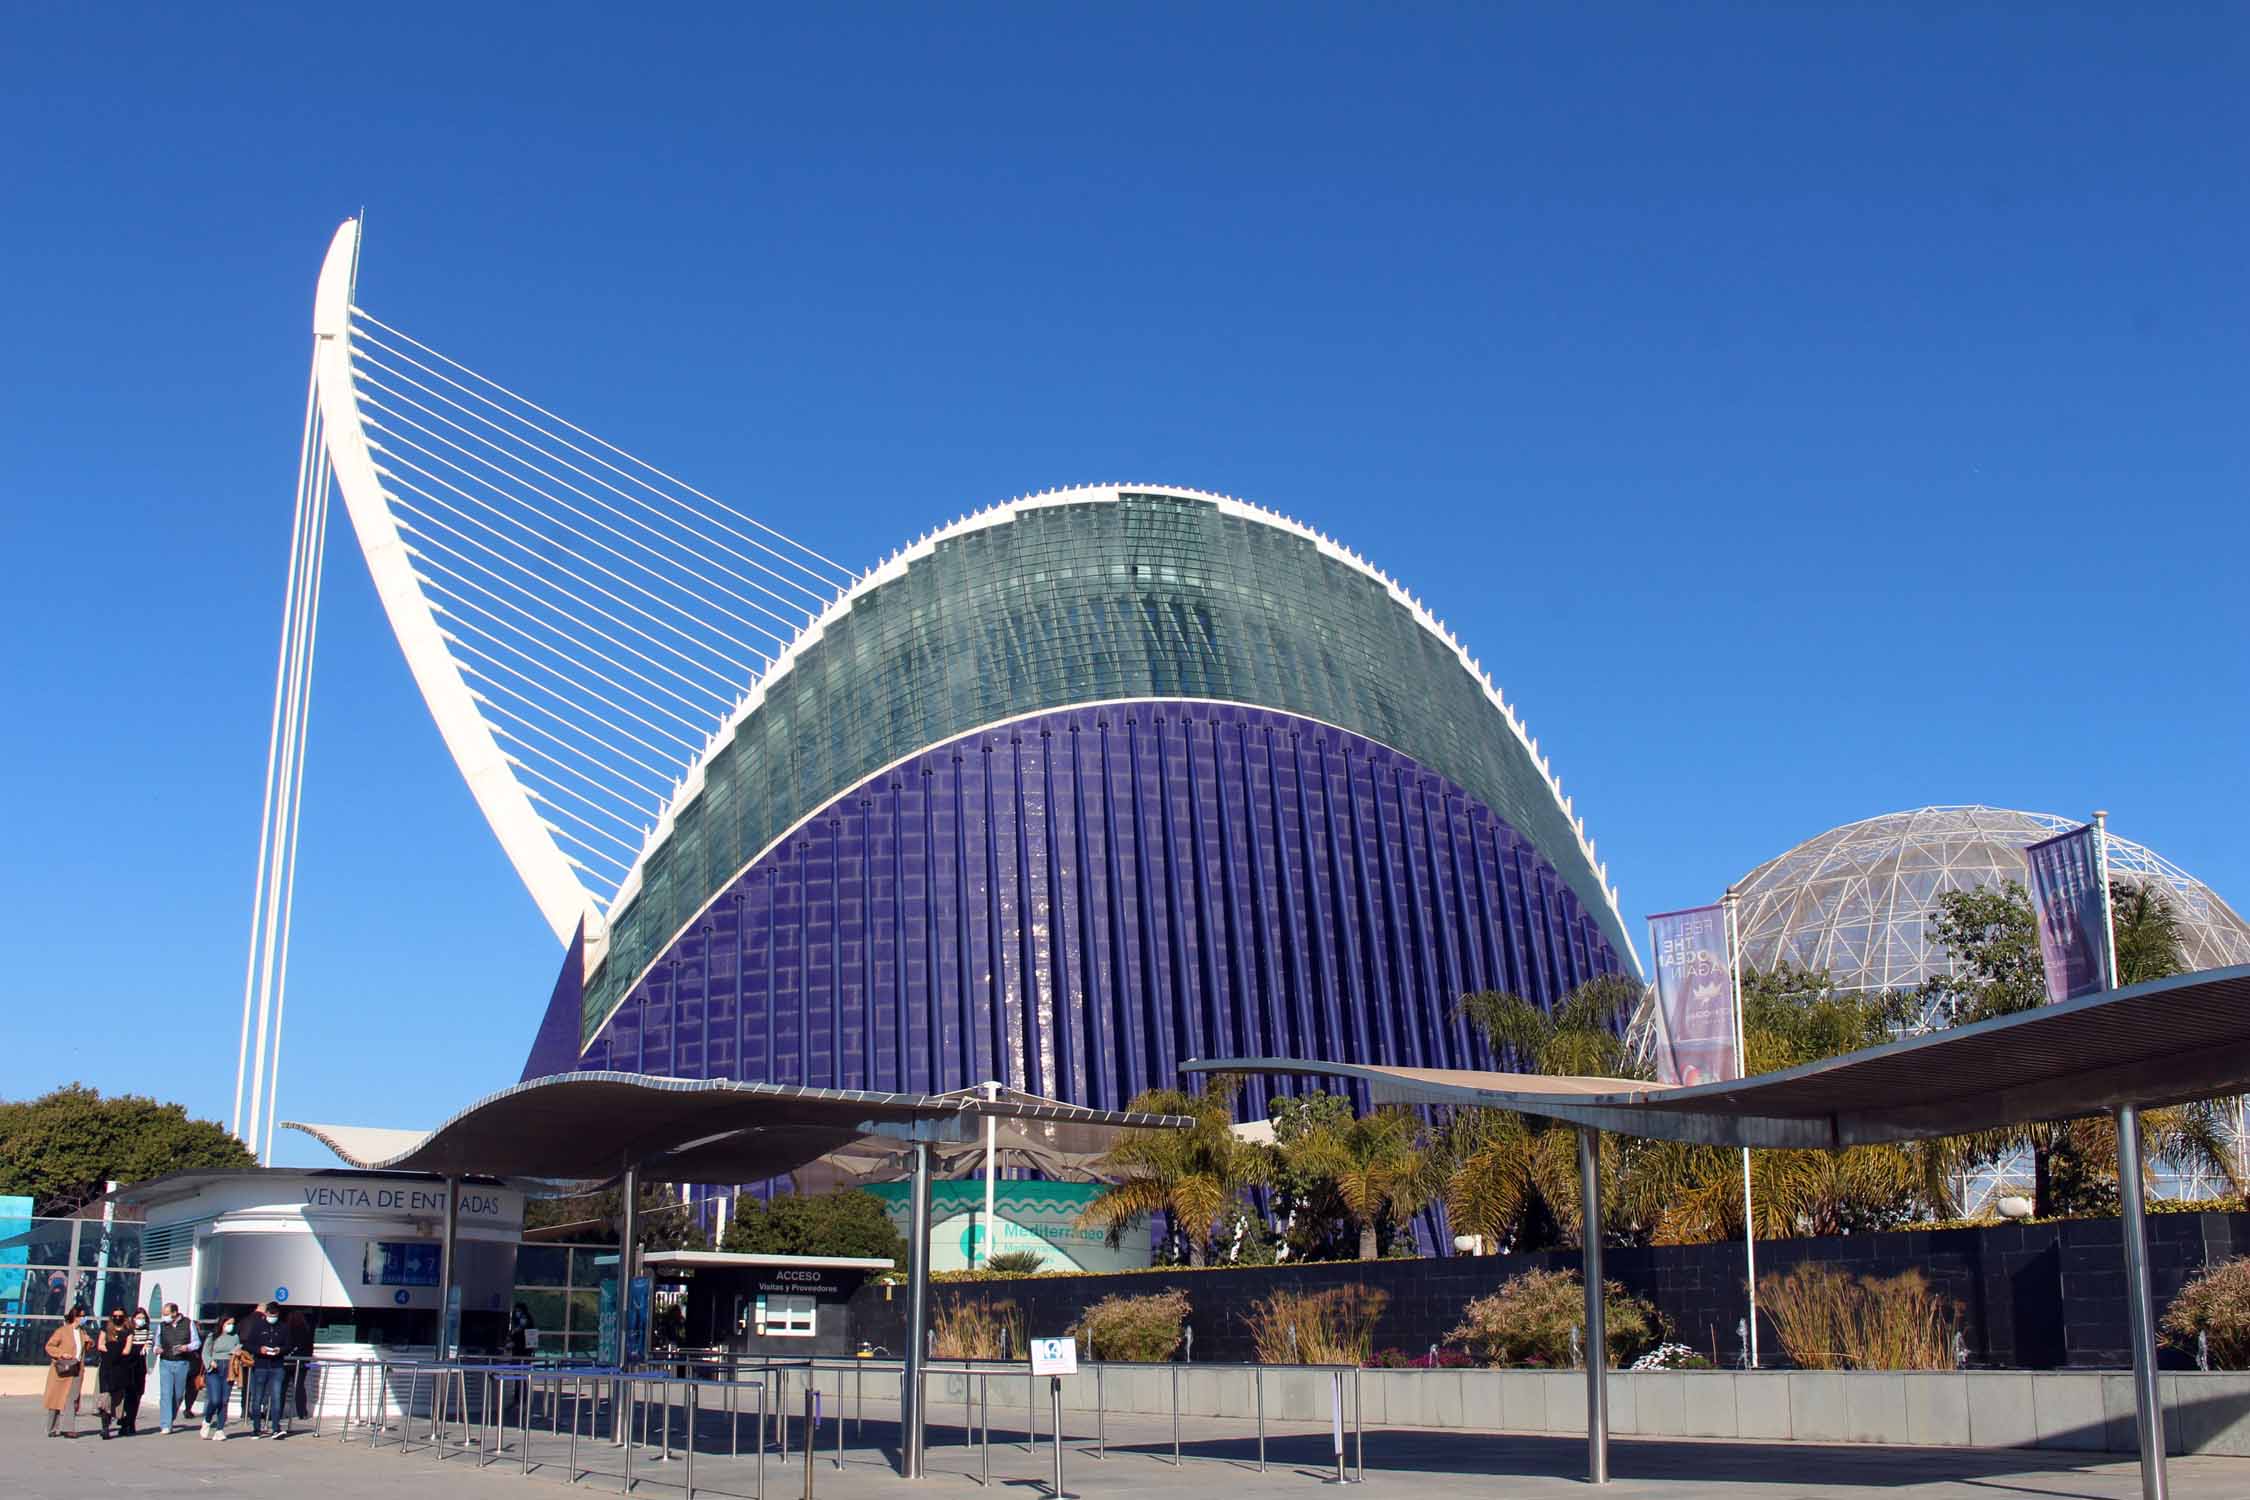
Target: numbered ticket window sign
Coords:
[[1054, 1356]]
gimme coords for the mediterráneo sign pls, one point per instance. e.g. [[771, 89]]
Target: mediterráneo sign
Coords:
[[1035, 1216]]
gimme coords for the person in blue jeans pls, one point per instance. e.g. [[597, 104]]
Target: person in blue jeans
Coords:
[[176, 1344], [268, 1342], [218, 1352]]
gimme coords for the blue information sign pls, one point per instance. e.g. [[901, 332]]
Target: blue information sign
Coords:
[[402, 1263]]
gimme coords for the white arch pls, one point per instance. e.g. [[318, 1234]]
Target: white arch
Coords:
[[546, 872]]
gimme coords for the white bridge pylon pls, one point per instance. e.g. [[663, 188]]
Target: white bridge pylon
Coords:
[[580, 623]]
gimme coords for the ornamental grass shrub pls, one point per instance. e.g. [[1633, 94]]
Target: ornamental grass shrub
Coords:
[[1532, 1318], [1335, 1326], [2216, 1305], [1133, 1328], [1831, 1320], [1015, 1262], [966, 1329]]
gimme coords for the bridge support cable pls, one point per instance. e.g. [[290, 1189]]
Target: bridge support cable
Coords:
[[266, 968], [518, 472], [827, 575]]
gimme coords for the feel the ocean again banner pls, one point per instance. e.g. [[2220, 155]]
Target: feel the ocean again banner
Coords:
[[1694, 996]]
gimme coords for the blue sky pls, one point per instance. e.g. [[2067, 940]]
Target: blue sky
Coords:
[[1803, 415]]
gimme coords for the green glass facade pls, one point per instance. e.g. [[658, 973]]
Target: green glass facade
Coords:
[[1150, 596]]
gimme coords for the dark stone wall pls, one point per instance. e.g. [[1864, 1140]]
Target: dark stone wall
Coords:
[[2035, 1296]]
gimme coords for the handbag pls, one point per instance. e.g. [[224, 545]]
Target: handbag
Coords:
[[68, 1369]]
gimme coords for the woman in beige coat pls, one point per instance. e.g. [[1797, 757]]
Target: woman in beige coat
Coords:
[[66, 1352]]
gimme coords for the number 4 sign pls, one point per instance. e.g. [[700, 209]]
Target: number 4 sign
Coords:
[[1054, 1356]]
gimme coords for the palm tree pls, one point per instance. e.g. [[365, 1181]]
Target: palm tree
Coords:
[[1505, 1173], [1193, 1176], [1582, 1034], [1376, 1165], [2147, 934]]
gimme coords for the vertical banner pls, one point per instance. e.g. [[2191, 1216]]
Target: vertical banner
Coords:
[[611, 1350], [638, 1294], [2070, 898], [1695, 1032]]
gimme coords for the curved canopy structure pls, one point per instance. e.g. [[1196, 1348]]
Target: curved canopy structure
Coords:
[[2164, 1042], [2151, 1044], [590, 1127]]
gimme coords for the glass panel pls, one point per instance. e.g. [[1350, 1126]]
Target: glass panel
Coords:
[[542, 1265]]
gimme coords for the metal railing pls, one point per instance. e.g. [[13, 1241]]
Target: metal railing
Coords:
[[657, 1421]]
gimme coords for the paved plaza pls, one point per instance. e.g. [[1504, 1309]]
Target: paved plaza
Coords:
[[1218, 1457]]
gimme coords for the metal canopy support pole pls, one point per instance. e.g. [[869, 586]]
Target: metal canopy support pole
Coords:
[[917, 1316], [627, 1245], [445, 1349], [991, 1226], [628, 1248], [1597, 1329], [2148, 1401]]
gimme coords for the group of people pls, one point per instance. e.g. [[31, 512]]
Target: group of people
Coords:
[[249, 1355]]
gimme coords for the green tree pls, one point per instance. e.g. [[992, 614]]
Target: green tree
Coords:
[[845, 1222], [1992, 938], [1793, 1015], [1312, 1218], [61, 1147], [1196, 1177]]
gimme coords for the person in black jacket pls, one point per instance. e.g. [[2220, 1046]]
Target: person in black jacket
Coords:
[[268, 1342], [123, 1351]]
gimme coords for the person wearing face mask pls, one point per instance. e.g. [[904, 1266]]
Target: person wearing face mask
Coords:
[[67, 1348], [218, 1358], [176, 1343], [123, 1350], [268, 1342]]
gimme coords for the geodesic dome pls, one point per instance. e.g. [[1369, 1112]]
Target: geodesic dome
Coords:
[[1856, 900]]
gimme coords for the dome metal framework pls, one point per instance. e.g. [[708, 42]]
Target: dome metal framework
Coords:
[[1857, 901]]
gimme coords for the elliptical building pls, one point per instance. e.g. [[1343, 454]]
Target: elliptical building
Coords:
[[1078, 788]]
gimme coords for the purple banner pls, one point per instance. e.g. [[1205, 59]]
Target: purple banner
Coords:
[[1694, 996], [2072, 905]]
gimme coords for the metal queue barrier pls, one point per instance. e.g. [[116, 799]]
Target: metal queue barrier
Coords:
[[1346, 1413], [652, 1423]]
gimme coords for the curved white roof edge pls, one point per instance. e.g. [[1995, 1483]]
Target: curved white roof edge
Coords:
[[357, 1145], [896, 565]]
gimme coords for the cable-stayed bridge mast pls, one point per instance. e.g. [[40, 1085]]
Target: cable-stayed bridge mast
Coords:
[[580, 622]]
